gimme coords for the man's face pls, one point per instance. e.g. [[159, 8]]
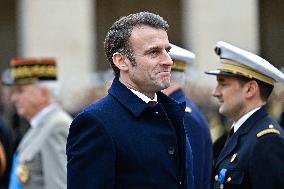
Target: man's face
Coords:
[[151, 71], [230, 94], [26, 99]]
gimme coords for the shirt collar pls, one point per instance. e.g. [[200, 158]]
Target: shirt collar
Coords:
[[239, 123], [143, 97], [40, 115]]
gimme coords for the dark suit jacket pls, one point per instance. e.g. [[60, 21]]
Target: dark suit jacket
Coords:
[[258, 162], [122, 142], [197, 130], [7, 143]]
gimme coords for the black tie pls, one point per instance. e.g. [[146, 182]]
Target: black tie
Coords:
[[152, 103], [231, 132], [229, 136]]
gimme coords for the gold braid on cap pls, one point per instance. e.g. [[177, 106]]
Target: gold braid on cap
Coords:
[[179, 65], [240, 69]]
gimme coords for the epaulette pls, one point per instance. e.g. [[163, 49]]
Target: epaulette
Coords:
[[270, 130], [187, 109]]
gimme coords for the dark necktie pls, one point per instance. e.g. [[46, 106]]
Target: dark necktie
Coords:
[[152, 103], [230, 134]]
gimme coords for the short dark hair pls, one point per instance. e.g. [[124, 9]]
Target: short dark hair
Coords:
[[265, 89], [117, 38]]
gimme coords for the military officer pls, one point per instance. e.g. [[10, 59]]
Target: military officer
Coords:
[[253, 155], [196, 126], [40, 160]]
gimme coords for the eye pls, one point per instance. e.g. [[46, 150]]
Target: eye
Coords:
[[168, 49], [153, 53]]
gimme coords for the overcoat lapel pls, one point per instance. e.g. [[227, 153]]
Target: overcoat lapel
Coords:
[[232, 142]]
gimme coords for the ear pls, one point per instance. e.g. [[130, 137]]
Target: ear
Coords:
[[251, 89], [120, 61]]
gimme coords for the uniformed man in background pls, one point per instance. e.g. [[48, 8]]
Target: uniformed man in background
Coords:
[[40, 161], [253, 155], [196, 126]]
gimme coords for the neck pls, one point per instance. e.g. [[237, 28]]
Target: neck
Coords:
[[149, 94], [248, 109]]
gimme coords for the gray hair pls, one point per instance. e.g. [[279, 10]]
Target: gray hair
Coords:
[[117, 38], [52, 86]]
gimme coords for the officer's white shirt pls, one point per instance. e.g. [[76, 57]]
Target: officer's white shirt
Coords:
[[239, 123], [40, 115]]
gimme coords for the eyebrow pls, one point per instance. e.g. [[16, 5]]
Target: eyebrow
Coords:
[[220, 79], [156, 48]]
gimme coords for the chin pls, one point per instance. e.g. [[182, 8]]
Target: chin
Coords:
[[222, 111]]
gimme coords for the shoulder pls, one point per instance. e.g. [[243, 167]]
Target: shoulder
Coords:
[[268, 134], [100, 105], [269, 143], [193, 111], [91, 119], [267, 126]]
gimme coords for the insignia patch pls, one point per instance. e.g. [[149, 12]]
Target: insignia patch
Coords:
[[23, 173], [267, 131], [233, 158]]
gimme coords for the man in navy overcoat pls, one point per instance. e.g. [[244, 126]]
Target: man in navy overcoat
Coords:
[[134, 137]]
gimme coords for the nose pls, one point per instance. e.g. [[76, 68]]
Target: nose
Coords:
[[167, 60], [13, 98], [216, 92]]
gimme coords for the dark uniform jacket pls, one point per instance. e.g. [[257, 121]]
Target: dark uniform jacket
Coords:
[[122, 142], [197, 130], [253, 157]]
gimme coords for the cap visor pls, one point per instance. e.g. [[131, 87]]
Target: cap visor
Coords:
[[219, 72]]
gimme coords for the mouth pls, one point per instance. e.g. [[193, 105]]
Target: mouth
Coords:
[[220, 101], [165, 71], [165, 74]]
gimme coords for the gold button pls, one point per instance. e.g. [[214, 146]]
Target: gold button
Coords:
[[233, 157], [23, 174], [188, 109], [229, 179], [216, 177], [271, 126]]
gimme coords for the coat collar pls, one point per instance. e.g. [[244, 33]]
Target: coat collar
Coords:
[[232, 142], [135, 105]]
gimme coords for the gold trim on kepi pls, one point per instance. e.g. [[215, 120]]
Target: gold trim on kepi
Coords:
[[235, 61], [30, 70], [240, 69], [23, 173], [178, 65]]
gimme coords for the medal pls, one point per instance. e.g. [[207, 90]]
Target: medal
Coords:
[[23, 173]]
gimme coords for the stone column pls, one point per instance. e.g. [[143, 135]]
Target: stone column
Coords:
[[63, 29], [207, 22]]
